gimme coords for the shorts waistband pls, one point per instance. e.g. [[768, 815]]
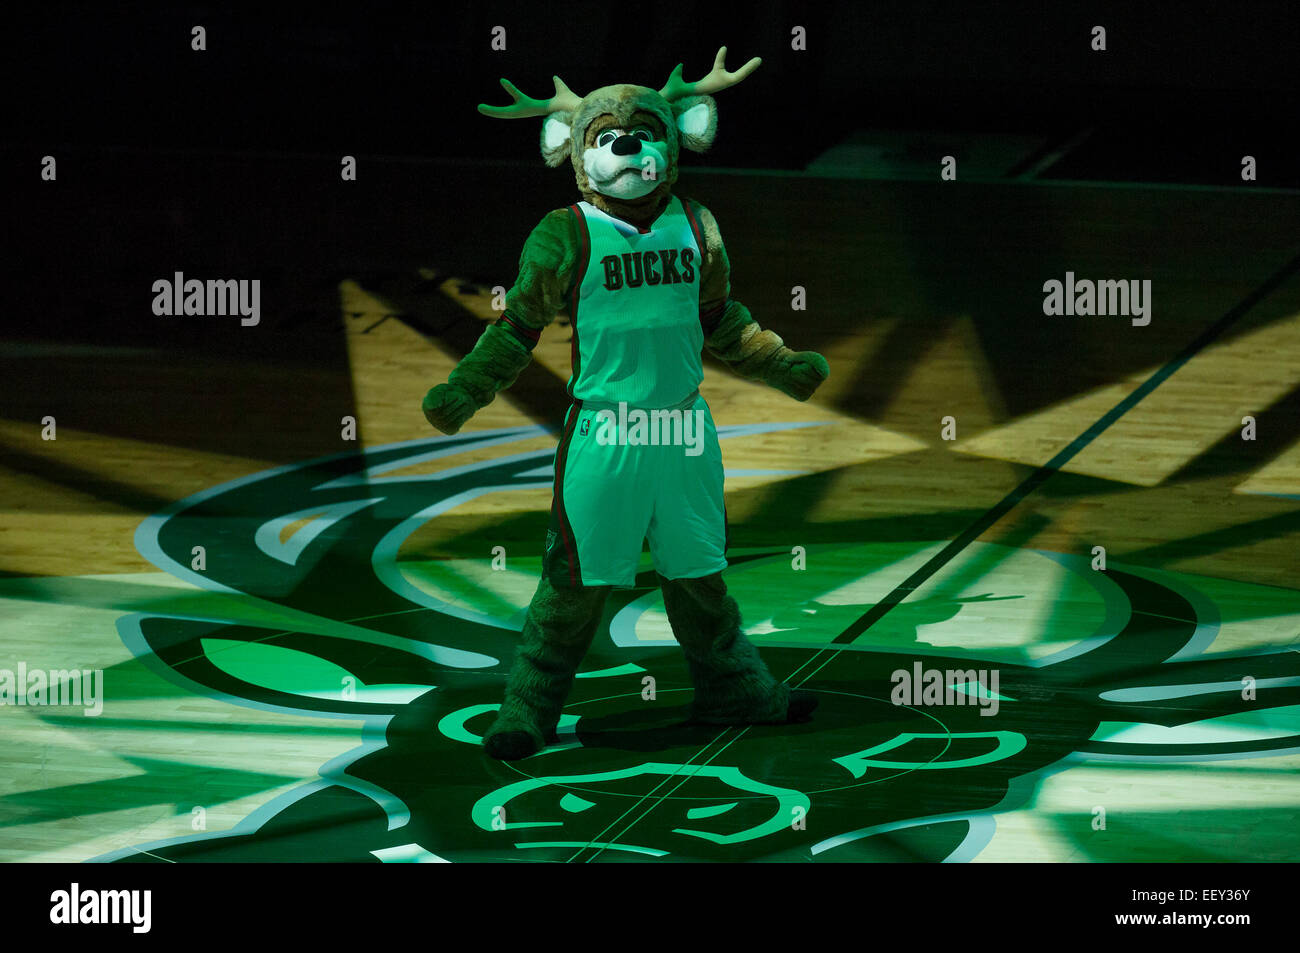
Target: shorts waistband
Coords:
[[613, 406]]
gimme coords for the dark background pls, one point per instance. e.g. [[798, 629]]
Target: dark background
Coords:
[[1181, 79], [225, 163]]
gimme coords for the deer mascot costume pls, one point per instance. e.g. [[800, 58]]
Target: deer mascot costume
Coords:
[[644, 278]]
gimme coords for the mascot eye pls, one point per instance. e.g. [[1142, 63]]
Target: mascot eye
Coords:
[[606, 137], [643, 134]]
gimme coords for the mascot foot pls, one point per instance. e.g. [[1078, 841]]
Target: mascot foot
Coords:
[[511, 745], [801, 706]]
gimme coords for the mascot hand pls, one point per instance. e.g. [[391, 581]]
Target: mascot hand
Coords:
[[801, 373], [447, 407]]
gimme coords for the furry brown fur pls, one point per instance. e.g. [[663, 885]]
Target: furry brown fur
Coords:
[[732, 685]]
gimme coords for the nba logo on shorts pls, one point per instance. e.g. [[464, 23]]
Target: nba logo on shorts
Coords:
[[586, 426]]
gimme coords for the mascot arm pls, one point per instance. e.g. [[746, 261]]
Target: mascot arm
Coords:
[[506, 346], [733, 336]]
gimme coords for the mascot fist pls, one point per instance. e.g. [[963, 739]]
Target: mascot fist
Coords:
[[801, 373], [447, 407]]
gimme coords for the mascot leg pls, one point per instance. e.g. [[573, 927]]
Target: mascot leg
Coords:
[[732, 685], [557, 633]]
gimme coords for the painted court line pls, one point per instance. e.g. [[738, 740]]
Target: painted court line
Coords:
[[1012, 499]]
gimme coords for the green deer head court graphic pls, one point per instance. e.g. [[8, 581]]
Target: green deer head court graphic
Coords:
[[416, 654]]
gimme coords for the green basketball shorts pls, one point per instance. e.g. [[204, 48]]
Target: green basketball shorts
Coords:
[[625, 476]]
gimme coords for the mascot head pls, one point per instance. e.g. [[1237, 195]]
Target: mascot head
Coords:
[[624, 140]]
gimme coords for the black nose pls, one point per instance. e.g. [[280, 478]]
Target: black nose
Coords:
[[626, 146]]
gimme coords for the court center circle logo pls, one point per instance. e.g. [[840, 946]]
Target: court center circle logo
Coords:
[[353, 633]]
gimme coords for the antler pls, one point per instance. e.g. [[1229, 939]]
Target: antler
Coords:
[[525, 106], [717, 79]]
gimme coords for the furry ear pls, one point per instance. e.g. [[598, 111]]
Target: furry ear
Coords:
[[697, 122], [556, 142]]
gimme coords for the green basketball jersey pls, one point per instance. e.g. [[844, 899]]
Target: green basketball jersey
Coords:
[[635, 304]]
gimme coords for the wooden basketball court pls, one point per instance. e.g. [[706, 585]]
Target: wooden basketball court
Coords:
[[315, 685]]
